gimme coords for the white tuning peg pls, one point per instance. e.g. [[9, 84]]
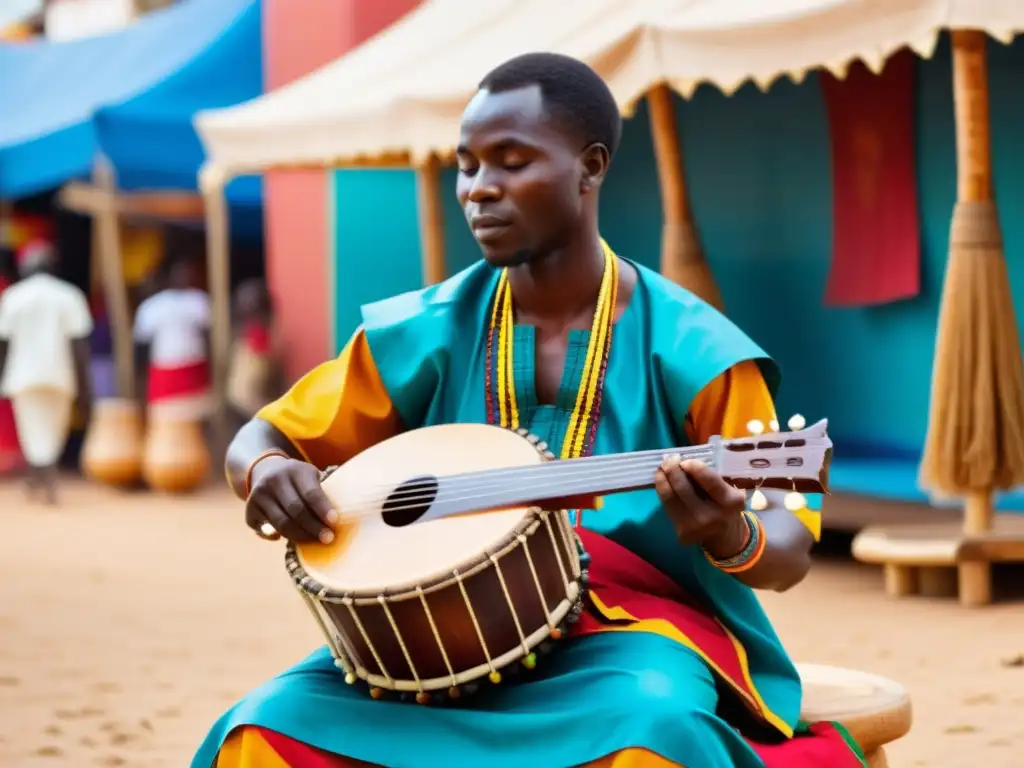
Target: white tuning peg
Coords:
[[794, 501], [773, 425], [758, 501], [755, 426], [796, 422]]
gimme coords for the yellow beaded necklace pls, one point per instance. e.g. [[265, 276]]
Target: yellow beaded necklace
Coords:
[[501, 397]]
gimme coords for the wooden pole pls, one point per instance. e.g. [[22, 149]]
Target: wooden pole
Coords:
[[218, 264], [682, 259], [971, 110], [974, 185], [431, 216], [115, 290]]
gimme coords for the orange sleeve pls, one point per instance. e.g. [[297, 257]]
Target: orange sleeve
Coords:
[[725, 407], [338, 409]]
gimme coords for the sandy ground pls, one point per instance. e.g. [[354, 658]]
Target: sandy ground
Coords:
[[128, 622]]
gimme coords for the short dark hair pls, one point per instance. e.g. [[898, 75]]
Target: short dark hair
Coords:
[[572, 92]]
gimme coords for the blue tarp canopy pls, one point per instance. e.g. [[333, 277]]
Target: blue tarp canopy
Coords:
[[149, 138], [132, 94]]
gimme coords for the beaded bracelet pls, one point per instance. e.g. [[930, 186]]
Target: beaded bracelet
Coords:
[[252, 465], [751, 553]]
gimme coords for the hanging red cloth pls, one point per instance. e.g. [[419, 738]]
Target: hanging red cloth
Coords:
[[876, 255]]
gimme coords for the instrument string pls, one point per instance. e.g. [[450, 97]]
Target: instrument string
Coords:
[[469, 487], [562, 469]]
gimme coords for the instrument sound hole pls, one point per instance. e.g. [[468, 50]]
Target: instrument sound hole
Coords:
[[409, 501]]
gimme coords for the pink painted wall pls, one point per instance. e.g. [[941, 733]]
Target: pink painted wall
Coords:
[[300, 36]]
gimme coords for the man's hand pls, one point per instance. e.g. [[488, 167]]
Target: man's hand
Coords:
[[706, 511], [286, 493]]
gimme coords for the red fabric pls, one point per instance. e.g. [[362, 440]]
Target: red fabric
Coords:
[[876, 230], [166, 383], [257, 337], [620, 578], [823, 745], [299, 755], [11, 459]]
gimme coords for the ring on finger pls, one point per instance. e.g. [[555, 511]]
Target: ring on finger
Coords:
[[267, 532]]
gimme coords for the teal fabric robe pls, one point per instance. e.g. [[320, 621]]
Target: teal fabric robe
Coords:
[[595, 695]]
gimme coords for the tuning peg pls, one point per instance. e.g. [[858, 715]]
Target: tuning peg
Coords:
[[773, 425], [758, 501], [796, 422], [755, 426], [794, 501]]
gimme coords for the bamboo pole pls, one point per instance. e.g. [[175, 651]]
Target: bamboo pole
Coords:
[[431, 220], [975, 442], [218, 265], [115, 290], [682, 259]]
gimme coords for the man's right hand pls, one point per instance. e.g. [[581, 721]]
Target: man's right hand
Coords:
[[286, 493]]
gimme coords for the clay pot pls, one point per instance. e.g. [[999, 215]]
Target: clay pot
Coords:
[[176, 457], [112, 452]]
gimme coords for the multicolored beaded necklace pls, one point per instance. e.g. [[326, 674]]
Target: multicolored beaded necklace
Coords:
[[499, 383]]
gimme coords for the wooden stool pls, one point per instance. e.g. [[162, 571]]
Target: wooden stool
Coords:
[[940, 559], [875, 710]]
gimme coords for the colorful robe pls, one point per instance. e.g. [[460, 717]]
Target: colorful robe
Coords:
[[675, 663]]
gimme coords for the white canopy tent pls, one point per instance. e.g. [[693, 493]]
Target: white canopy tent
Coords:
[[399, 95], [396, 100]]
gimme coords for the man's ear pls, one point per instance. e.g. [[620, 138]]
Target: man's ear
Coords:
[[595, 160]]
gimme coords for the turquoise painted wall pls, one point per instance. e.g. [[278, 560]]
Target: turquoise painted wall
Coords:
[[758, 170]]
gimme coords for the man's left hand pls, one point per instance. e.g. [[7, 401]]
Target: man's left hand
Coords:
[[705, 510]]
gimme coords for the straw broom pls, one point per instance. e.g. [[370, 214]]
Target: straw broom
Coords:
[[682, 259], [975, 442]]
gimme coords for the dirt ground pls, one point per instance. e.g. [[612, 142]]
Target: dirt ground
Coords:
[[129, 622]]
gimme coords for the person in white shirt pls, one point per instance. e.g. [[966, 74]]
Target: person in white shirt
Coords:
[[44, 361], [172, 342]]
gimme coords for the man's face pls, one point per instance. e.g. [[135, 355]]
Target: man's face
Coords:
[[519, 177]]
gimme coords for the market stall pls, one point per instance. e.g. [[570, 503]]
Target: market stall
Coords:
[[118, 107]]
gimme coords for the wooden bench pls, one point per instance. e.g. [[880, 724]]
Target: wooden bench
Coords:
[[941, 559], [876, 711]]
